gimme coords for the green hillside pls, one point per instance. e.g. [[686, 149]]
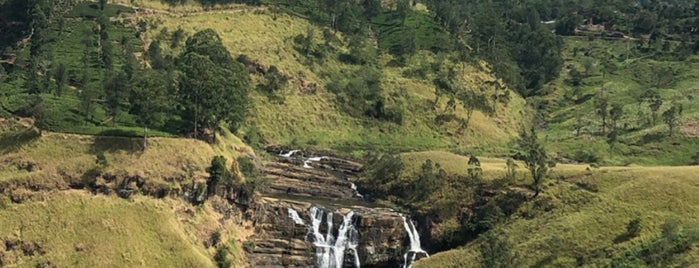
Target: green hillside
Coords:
[[535, 133]]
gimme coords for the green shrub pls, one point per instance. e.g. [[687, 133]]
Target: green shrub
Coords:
[[221, 257], [633, 228]]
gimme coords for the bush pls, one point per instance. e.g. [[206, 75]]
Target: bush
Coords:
[[247, 167], [221, 257], [633, 228]]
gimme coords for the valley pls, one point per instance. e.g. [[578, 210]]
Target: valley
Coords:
[[435, 133]]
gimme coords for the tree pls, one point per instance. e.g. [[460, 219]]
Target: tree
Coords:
[[115, 93], [155, 55], [60, 78], [671, 116], [535, 158], [511, 173], [612, 139], [615, 114], [655, 101], [218, 174], [496, 251], [213, 86], [149, 100], [39, 23], [87, 97], [473, 100], [102, 4], [601, 103]]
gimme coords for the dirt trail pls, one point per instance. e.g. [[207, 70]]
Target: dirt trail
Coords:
[[146, 12]]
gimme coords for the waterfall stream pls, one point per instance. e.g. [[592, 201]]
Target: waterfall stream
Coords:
[[332, 241], [330, 250], [415, 247]]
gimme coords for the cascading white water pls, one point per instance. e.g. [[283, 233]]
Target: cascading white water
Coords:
[[294, 215], [307, 161], [289, 154], [356, 191], [330, 251], [415, 248]]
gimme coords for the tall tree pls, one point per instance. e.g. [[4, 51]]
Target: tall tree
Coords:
[[496, 251], [615, 114], [149, 100], [59, 77], [213, 87], [115, 93], [601, 104], [535, 158], [671, 118], [655, 101]]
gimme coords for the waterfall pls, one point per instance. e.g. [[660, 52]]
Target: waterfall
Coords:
[[307, 161], [330, 251], [415, 248], [295, 216], [289, 154], [356, 191]]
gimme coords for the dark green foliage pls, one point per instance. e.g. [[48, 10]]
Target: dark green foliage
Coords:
[[101, 160], [219, 175], [534, 155], [155, 55], [59, 76], [221, 257], [360, 95], [601, 104], [666, 250], [654, 100], [385, 172], [247, 167], [42, 118], [566, 24], [671, 118], [149, 99], [177, 38], [275, 83], [115, 94], [213, 87], [633, 229], [496, 251]]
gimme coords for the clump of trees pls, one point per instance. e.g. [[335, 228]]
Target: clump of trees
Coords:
[[463, 206]]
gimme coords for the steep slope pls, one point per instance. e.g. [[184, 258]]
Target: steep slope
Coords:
[[60, 205], [581, 218], [309, 114]]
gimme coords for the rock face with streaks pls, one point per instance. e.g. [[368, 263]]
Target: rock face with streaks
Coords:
[[311, 215]]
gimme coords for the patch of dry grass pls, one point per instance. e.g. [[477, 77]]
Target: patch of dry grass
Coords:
[[76, 229], [584, 224]]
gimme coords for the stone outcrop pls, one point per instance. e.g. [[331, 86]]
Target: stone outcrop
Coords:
[[326, 183], [281, 242]]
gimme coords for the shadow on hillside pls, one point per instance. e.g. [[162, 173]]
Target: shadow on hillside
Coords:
[[13, 141], [116, 141]]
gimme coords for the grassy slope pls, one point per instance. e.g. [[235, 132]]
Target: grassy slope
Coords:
[[313, 119], [647, 145], [79, 230], [583, 223], [116, 232]]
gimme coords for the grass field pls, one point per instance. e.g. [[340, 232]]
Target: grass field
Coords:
[[590, 209], [77, 229], [56, 155], [626, 79]]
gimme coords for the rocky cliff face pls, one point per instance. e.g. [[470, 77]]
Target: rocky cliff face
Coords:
[[302, 180]]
